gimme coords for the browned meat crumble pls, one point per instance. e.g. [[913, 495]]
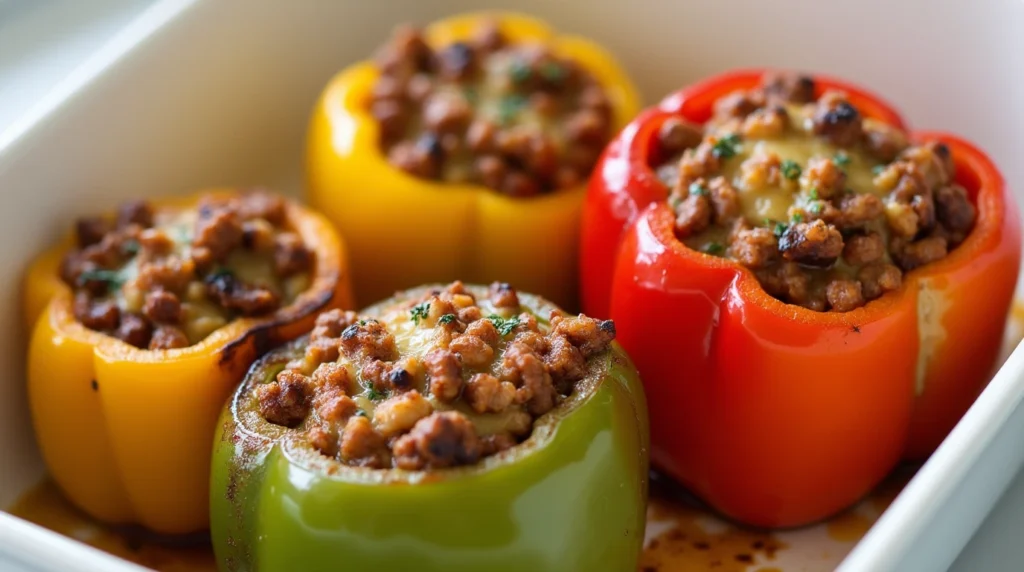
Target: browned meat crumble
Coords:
[[828, 208], [514, 117], [167, 278], [435, 382]]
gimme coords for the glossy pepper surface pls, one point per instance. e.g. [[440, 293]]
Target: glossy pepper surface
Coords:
[[571, 497], [775, 414], [126, 432], [429, 231]]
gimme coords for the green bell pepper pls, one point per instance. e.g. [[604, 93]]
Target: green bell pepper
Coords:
[[570, 497]]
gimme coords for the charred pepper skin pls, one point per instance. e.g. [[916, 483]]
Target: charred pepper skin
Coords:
[[125, 432], [430, 231], [571, 497], [774, 414]]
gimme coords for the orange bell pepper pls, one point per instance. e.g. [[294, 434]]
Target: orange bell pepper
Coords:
[[775, 414], [435, 231], [126, 432]]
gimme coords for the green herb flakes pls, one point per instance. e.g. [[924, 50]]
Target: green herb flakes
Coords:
[[798, 217], [130, 247], [877, 170], [726, 147], [519, 71], [504, 326], [219, 273], [372, 394], [841, 159], [699, 190], [509, 107], [791, 170], [446, 319], [714, 248], [420, 312], [813, 194], [553, 72], [113, 278]]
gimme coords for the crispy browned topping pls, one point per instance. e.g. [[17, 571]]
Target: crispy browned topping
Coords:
[[166, 279], [859, 205], [513, 117], [435, 382]]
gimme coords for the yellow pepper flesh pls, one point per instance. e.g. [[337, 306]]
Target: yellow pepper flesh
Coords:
[[126, 432], [404, 230]]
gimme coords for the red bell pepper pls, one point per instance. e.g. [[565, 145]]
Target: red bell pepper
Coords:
[[774, 414]]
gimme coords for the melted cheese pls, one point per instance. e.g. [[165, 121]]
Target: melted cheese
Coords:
[[200, 315], [417, 340], [800, 145]]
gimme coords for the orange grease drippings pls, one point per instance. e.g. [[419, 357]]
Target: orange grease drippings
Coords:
[[690, 546], [849, 527], [44, 505]]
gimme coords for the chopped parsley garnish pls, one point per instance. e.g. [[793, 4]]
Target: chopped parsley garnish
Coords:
[[504, 326], [362, 323], [420, 312], [372, 394], [509, 107], [674, 201], [726, 147], [778, 228], [519, 71], [113, 279], [841, 159], [219, 273], [698, 189], [798, 217], [446, 319], [877, 169], [552, 72], [813, 194], [791, 170], [361, 413], [714, 248], [130, 246], [815, 208]]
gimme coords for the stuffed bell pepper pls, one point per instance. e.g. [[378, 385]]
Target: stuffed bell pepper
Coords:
[[463, 151], [144, 324], [451, 428], [810, 292]]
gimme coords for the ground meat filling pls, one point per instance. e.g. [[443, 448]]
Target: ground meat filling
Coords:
[[828, 208], [437, 382], [514, 117], [164, 279]]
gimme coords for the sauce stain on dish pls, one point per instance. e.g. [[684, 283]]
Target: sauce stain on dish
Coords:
[[682, 536], [850, 526], [687, 538], [45, 506]]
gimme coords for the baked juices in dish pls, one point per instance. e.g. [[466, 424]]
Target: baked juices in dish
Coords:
[[463, 150], [146, 321], [810, 292], [450, 428]]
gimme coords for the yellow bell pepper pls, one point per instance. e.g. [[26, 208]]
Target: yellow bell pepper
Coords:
[[410, 230], [126, 432]]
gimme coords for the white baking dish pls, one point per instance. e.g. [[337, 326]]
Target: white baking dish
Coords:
[[206, 92]]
